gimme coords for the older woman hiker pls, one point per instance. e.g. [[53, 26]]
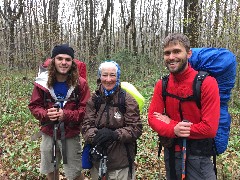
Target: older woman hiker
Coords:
[[112, 125]]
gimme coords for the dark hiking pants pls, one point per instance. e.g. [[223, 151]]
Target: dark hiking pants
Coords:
[[197, 167]]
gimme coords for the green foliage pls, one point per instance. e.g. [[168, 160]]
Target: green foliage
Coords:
[[133, 68], [228, 162], [20, 157]]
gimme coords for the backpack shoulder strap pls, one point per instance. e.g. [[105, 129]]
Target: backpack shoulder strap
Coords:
[[44, 98], [121, 101], [164, 88], [197, 83], [76, 96], [97, 99]]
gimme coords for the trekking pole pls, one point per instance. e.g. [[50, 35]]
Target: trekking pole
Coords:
[[159, 158], [184, 155], [55, 129], [184, 159], [100, 170], [103, 167]]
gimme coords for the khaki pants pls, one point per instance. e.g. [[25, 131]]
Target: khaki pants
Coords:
[[121, 174], [74, 163]]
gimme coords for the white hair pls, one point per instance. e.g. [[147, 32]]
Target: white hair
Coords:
[[106, 64]]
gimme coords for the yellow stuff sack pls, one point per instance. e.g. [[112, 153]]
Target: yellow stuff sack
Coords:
[[135, 93]]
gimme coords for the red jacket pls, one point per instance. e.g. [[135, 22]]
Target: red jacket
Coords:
[[205, 120], [73, 114]]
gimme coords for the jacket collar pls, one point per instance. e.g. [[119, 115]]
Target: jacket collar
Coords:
[[183, 75], [41, 80]]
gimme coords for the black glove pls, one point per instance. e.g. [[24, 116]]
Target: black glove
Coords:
[[104, 135]]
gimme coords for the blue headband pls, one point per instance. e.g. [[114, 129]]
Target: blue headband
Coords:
[[110, 63]]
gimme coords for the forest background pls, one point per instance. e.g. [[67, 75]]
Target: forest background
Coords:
[[128, 31]]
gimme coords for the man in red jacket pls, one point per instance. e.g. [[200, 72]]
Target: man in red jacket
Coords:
[[175, 120], [61, 84]]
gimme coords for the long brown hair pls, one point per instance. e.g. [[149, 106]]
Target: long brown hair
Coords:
[[72, 78]]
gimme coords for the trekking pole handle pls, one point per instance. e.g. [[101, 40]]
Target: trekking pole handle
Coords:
[[57, 105]]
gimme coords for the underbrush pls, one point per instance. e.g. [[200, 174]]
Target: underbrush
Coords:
[[20, 158]]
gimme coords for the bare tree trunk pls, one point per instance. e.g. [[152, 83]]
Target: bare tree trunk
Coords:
[[86, 26], [224, 19], [32, 59], [107, 38], [11, 15], [185, 24], [92, 48], [168, 18], [46, 33], [209, 24], [78, 10], [38, 34], [53, 21], [125, 26], [134, 33], [104, 24], [141, 27], [173, 16], [24, 40], [200, 19], [108, 30], [193, 31], [12, 44], [236, 28], [216, 20]]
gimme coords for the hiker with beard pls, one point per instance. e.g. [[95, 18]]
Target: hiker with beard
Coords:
[[176, 118]]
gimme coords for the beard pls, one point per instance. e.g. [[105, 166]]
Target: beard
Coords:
[[182, 65]]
